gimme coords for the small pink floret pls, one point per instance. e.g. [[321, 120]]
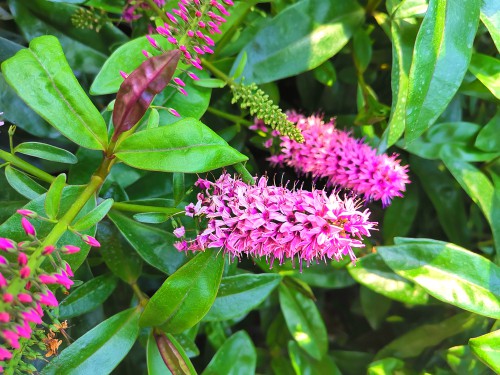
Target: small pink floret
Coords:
[[28, 227]]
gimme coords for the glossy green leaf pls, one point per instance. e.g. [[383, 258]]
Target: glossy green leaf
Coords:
[[156, 365], [211, 83], [239, 294], [23, 184], [351, 362], [311, 31], [440, 59], [56, 94], [113, 6], [462, 361], [362, 48], [385, 366], [486, 348], [372, 272], [426, 336], [488, 139], [87, 296], [188, 146], [179, 185], [118, 255], [304, 322], [480, 189], [326, 74], [153, 217], [449, 273], [187, 295], [236, 356], [304, 364], [172, 354], [45, 151], [487, 70], [101, 349], [11, 228], [451, 137], [53, 197], [375, 307], [410, 8], [153, 119], [400, 215], [94, 216], [490, 15], [155, 246]]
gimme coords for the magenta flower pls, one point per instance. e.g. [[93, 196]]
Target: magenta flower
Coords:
[[179, 232], [344, 161], [70, 249], [28, 227], [278, 223], [6, 244], [89, 240]]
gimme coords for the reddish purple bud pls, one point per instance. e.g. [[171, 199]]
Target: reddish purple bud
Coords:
[[70, 249], [48, 250], [182, 91], [24, 330], [3, 260], [207, 49], [27, 213], [174, 112], [24, 272], [4, 317], [24, 298], [172, 18], [47, 279], [7, 297], [89, 240], [3, 281], [196, 64], [63, 279], [198, 50], [146, 53], [32, 316], [28, 227], [4, 354], [6, 244], [179, 81], [11, 338], [193, 76], [172, 40], [67, 269], [181, 246], [190, 33], [22, 259], [123, 74], [48, 299], [152, 42]]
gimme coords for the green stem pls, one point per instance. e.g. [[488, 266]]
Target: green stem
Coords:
[[230, 117], [158, 11], [245, 174], [141, 296], [25, 166], [129, 207], [218, 73]]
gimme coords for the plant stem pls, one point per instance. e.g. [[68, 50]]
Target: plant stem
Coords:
[[25, 166], [143, 298], [129, 207], [218, 73], [157, 10], [230, 117], [245, 174]]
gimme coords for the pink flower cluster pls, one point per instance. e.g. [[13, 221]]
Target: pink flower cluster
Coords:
[[24, 288], [275, 222], [134, 9], [344, 161]]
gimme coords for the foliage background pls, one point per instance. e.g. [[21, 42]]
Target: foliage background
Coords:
[[414, 302]]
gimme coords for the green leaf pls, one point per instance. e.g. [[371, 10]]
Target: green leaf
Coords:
[[87, 297], [480, 189], [362, 48], [153, 119], [487, 138], [452, 137], [56, 94], [490, 15], [241, 65], [47, 152], [385, 366], [211, 83], [486, 348], [187, 146], [462, 361], [304, 364], [179, 186], [236, 356], [372, 272], [304, 322], [351, 362], [172, 354], [487, 70], [53, 197], [375, 307], [239, 294], [449, 273], [311, 31], [187, 295], [326, 74], [23, 184], [440, 59], [93, 217], [156, 365], [155, 246], [400, 215], [101, 349], [426, 336]]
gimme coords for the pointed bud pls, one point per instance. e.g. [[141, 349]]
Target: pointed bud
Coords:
[[24, 298], [47, 250], [28, 213], [28, 227], [70, 249], [6, 244], [24, 272], [89, 240], [174, 112]]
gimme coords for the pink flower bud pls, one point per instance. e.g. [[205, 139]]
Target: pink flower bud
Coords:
[[67, 269], [193, 76], [7, 297], [24, 330], [152, 42], [174, 112], [182, 91], [48, 299], [6, 244], [3, 281], [47, 250], [4, 317], [3, 260], [24, 298], [24, 272], [180, 232], [63, 279], [28, 227], [179, 81], [27, 213], [4, 354], [32, 316], [70, 249], [123, 74], [22, 259], [11, 338], [89, 240], [47, 279]]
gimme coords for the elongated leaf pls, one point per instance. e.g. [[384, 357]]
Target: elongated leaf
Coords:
[[139, 89], [487, 70], [486, 348], [304, 364], [449, 273], [375, 307], [304, 322], [155, 246], [93, 217], [53, 197], [47, 152], [311, 31], [236, 356], [188, 146], [239, 294], [187, 295], [156, 365], [55, 95], [101, 349], [385, 366], [87, 297], [462, 361], [412, 343], [23, 184], [480, 189], [172, 353], [400, 215], [488, 139], [372, 272], [440, 59], [490, 15]]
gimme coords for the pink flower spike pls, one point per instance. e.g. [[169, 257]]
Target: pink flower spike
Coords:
[[24, 298], [24, 272], [70, 249], [48, 299], [174, 112], [179, 232], [152, 42], [123, 74], [28, 227], [4, 317], [27, 213], [179, 81], [4, 354], [48, 250], [22, 259], [89, 240], [6, 244], [193, 76]]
